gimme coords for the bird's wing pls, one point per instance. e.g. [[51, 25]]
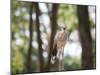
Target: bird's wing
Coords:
[[66, 37], [54, 51], [55, 39], [66, 33]]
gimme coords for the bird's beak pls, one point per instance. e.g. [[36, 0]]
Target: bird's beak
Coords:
[[64, 28]]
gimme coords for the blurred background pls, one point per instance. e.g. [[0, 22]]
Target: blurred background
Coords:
[[33, 28]]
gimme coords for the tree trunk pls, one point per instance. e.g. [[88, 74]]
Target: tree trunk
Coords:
[[29, 60], [85, 37], [53, 32], [40, 50]]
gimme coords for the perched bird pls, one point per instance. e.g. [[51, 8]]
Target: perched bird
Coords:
[[59, 43]]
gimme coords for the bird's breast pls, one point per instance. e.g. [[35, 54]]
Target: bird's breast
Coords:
[[61, 40], [62, 37]]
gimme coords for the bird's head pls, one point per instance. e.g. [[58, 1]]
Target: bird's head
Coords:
[[63, 27]]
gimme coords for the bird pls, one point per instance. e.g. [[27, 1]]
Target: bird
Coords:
[[59, 43]]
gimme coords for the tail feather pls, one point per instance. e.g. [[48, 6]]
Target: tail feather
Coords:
[[53, 60], [54, 53]]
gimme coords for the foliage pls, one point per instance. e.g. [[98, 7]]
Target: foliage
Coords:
[[72, 63], [20, 35]]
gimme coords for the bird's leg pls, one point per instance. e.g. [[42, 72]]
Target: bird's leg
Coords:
[[62, 58], [58, 54], [58, 59], [62, 51], [53, 59]]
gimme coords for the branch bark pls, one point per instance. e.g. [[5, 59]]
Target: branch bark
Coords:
[[85, 37], [29, 60], [40, 50], [53, 32]]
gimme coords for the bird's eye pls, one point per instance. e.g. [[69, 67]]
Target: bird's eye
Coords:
[[64, 28]]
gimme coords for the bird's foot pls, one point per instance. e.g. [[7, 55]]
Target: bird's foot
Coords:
[[53, 60]]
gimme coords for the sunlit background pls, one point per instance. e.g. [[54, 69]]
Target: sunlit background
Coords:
[[20, 34]]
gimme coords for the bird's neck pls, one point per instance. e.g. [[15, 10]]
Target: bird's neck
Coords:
[[63, 30]]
